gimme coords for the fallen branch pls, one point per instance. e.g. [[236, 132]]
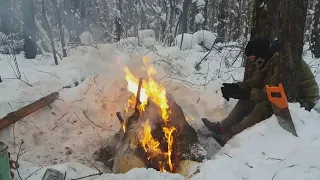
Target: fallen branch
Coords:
[[15, 116]]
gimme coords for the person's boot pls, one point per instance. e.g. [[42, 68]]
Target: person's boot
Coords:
[[222, 139], [214, 127]]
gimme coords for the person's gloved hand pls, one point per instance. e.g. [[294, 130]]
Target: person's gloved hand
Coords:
[[232, 90]]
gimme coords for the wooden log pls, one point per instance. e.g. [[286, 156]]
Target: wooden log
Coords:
[[15, 116], [138, 95]]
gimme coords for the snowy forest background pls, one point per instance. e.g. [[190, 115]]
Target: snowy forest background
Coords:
[[37, 26]]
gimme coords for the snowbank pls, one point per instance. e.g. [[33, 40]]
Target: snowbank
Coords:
[[86, 38], [187, 41], [146, 33], [206, 38]]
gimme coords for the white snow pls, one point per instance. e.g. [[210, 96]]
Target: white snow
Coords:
[[146, 33], [148, 42], [187, 41], [206, 37], [87, 38], [199, 18], [201, 3], [83, 117]]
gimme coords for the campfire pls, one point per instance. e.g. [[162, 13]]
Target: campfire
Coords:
[[158, 148], [155, 133]]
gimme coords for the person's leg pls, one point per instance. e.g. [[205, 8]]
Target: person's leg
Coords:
[[241, 110], [261, 111]]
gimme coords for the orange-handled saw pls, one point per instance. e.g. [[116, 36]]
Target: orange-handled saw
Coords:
[[277, 97]]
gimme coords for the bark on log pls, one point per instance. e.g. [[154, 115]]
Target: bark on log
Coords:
[[15, 116]]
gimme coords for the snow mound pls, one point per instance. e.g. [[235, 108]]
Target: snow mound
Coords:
[[201, 3], [87, 38], [148, 42], [202, 37], [129, 42], [146, 33], [187, 41], [205, 37]]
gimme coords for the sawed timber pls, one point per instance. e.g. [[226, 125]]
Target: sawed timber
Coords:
[[15, 116]]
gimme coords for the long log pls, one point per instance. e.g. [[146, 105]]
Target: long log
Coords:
[[15, 116]]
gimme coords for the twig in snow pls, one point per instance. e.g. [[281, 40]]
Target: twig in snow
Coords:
[[85, 114], [77, 100], [17, 159], [33, 173], [58, 121], [88, 89], [277, 159], [95, 174], [233, 158], [282, 169]]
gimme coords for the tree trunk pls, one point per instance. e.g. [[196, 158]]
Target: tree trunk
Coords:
[[4, 16], [222, 16], [292, 25], [29, 29], [205, 15], [184, 21], [58, 10], [192, 17], [49, 32], [264, 24], [118, 26], [315, 35]]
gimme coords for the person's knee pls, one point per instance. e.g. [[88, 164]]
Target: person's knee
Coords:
[[309, 104]]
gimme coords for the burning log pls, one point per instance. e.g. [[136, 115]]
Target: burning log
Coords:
[[130, 153]]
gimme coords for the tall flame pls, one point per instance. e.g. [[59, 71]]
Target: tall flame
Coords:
[[156, 93]]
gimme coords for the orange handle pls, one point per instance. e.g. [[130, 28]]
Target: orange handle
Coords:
[[280, 102]]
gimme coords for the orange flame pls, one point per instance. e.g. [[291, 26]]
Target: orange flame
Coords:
[[151, 90]]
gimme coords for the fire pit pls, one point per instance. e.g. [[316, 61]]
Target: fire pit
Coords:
[[156, 133]]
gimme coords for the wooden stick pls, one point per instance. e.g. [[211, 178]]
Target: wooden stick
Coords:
[[138, 96], [15, 116], [120, 117]]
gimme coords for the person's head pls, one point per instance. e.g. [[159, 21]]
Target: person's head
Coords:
[[259, 51]]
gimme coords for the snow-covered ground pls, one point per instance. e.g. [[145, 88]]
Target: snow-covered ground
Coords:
[[92, 89]]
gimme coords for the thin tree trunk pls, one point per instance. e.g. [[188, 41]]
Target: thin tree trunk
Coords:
[[49, 32], [29, 29], [192, 17], [205, 15], [315, 35], [292, 25], [4, 16], [118, 26], [222, 26], [184, 22], [58, 9]]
